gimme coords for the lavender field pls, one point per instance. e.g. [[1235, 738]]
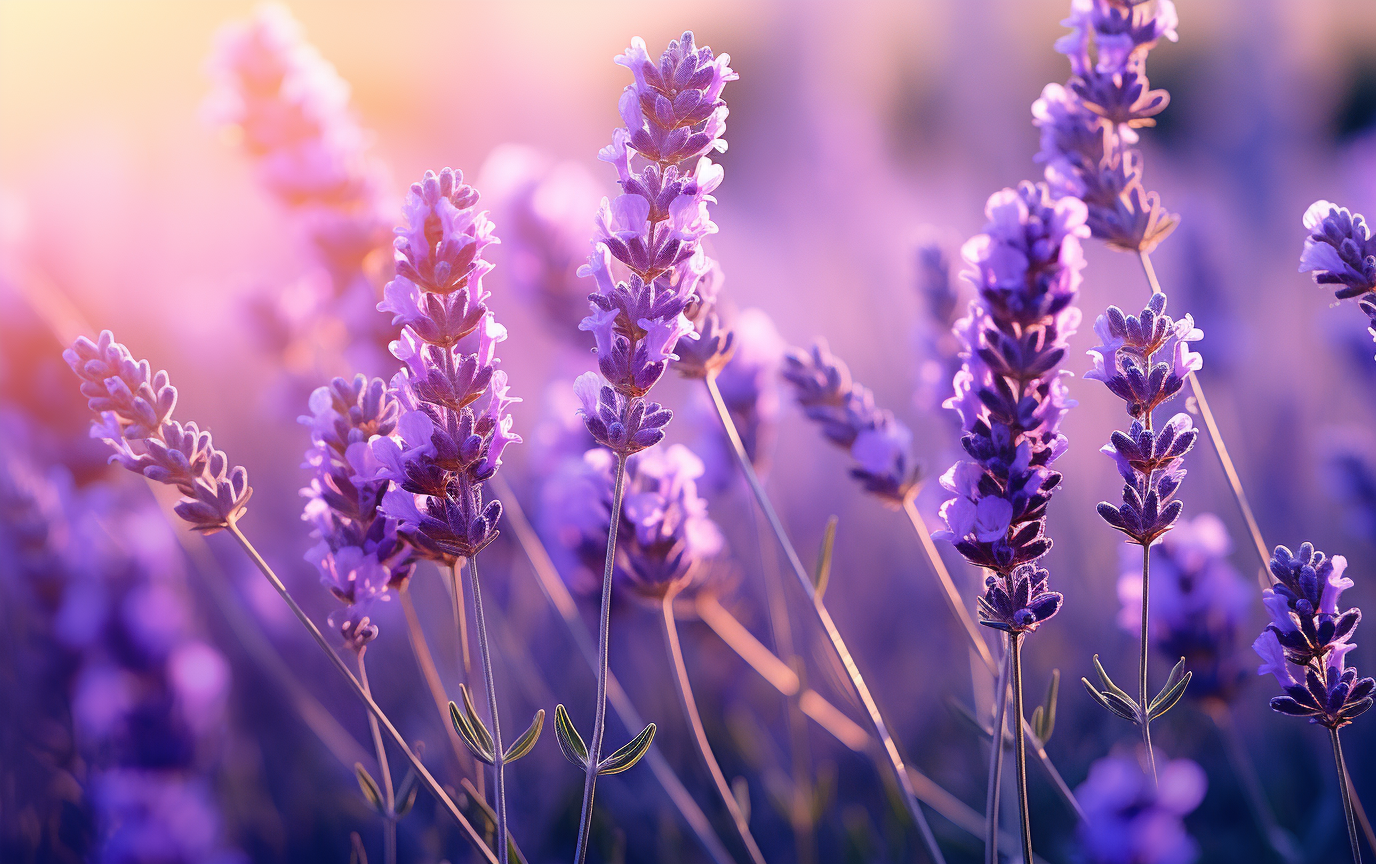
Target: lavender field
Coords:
[[423, 439]]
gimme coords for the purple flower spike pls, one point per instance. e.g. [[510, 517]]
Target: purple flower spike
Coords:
[[1088, 125], [1009, 392], [358, 553], [650, 271], [135, 407], [1018, 602], [880, 444], [1309, 632], [1339, 251], [454, 425]]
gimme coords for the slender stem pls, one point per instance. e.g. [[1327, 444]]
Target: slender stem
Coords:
[[389, 818], [603, 635], [1142, 663], [431, 674], [824, 618], [1220, 448], [1280, 840], [426, 777], [498, 762], [554, 589], [1020, 751], [1345, 784], [455, 586], [690, 712], [1362, 821], [991, 793]]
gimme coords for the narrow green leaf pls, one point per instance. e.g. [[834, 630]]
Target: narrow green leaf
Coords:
[[469, 736], [369, 787], [1038, 715], [1109, 685], [569, 740], [740, 790], [484, 737], [821, 574], [627, 756], [521, 746], [1177, 672], [1126, 710], [357, 854], [1166, 700], [1053, 689], [406, 792], [489, 816]]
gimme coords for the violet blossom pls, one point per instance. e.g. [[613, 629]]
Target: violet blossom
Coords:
[[1011, 397], [1132, 819], [1339, 250], [1088, 125], [648, 261], [446, 442], [135, 407]]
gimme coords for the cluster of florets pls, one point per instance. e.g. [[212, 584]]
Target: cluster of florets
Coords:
[[648, 261], [1088, 124], [358, 553], [880, 444], [1133, 818], [1339, 250], [1309, 631], [445, 444], [1018, 602], [1150, 460], [666, 541], [135, 407], [1009, 391], [1198, 600]]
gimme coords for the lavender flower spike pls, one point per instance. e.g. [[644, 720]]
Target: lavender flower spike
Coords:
[[135, 407], [1339, 250]]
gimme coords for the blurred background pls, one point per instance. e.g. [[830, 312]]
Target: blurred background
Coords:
[[856, 133]]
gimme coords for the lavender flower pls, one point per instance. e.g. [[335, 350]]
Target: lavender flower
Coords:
[[880, 444], [652, 233], [135, 408], [1303, 605], [1009, 393], [1339, 250], [1132, 819], [444, 447], [1198, 600], [1088, 124], [1149, 460], [1018, 602], [359, 554]]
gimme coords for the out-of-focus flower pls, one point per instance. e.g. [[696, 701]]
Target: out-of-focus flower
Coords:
[[358, 553], [1129, 819], [1310, 632], [543, 207], [1198, 599], [666, 540], [444, 445], [135, 408], [1351, 477], [652, 234], [940, 293], [1150, 460], [1339, 250], [880, 444], [1009, 391], [1088, 125]]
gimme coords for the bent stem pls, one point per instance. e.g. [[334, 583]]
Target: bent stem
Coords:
[[991, 793], [1220, 449], [838, 644], [1020, 747], [1344, 782], [498, 760], [603, 635], [1142, 662], [690, 712], [389, 827], [425, 776]]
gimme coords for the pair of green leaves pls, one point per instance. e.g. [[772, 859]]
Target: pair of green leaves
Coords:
[[405, 794], [479, 741], [577, 752], [1117, 701]]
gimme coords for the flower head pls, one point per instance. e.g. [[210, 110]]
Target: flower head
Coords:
[[1018, 602], [1339, 250]]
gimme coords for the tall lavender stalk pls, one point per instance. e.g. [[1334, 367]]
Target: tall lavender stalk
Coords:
[[135, 409], [1011, 397], [646, 266], [1309, 632], [1151, 463], [448, 444]]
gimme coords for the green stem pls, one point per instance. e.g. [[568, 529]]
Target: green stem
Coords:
[[389, 828], [690, 712], [991, 794], [1344, 783], [425, 776], [603, 635], [498, 762], [1020, 746], [455, 587], [838, 644], [1142, 662]]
